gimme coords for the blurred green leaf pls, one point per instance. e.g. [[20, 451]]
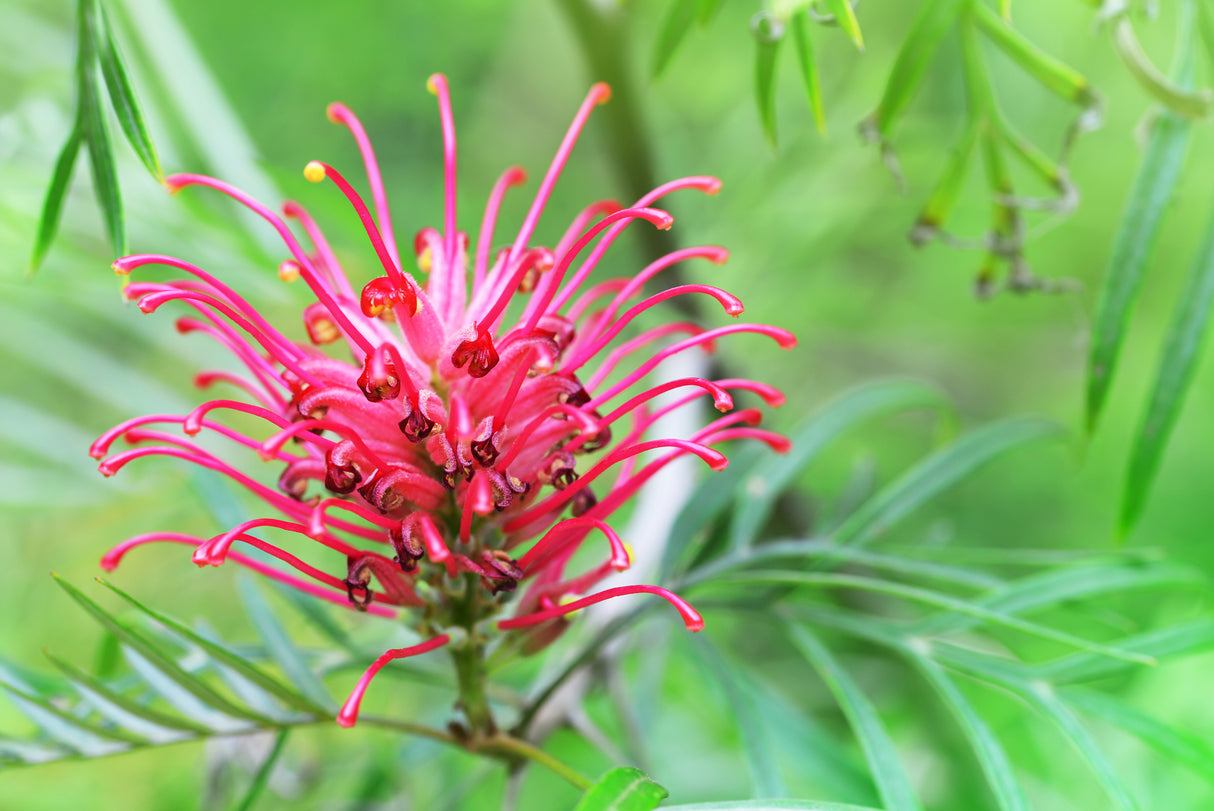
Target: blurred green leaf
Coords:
[[81, 736], [809, 68], [680, 17], [765, 778], [281, 648], [624, 788], [1135, 241], [1052, 73], [52, 206], [708, 10], [938, 472], [122, 94], [155, 726], [845, 16], [1184, 638], [155, 658], [223, 656], [872, 400], [1177, 745], [933, 20], [95, 130], [768, 32], [1047, 701], [891, 778], [990, 753], [263, 772], [1175, 95], [1177, 363]]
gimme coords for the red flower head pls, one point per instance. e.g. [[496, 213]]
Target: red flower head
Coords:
[[444, 444]]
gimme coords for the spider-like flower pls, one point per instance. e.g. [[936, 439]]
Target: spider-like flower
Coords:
[[443, 437]]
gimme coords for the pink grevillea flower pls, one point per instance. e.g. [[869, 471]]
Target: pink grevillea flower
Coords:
[[474, 428]]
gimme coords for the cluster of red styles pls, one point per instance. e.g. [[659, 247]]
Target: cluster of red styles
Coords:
[[436, 453]]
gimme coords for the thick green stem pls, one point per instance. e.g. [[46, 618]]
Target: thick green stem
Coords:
[[470, 678]]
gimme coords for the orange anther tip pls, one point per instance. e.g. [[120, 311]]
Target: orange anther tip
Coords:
[[288, 271], [602, 93], [314, 171]]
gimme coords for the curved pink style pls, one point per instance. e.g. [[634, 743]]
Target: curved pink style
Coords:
[[423, 432]]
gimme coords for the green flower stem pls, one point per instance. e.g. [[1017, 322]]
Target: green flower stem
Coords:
[[469, 658], [516, 749]]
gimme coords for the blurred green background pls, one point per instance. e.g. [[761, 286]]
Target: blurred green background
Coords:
[[816, 229]]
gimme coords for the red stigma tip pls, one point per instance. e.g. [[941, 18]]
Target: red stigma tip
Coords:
[[601, 92]]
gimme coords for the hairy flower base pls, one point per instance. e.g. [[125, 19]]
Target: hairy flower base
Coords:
[[442, 437]]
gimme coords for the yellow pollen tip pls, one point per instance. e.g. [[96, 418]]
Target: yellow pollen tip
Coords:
[[628, 551], [119, 270], [602, 93], [566, 599], [432, 84], [288, 271], [417, 308], [425, 259], [331, 112], [314, 171]]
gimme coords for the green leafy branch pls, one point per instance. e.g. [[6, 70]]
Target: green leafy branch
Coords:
[[971, 619], [97, 59], [1145, 212]]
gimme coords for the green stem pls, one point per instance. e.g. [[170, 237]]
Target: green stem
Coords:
[[513, 748]]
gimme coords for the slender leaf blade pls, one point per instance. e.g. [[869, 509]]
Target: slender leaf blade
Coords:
[[990, 753], [52, 204], [1177, 745], [281, 648], [82, 736], [845, 16], [893, 784], [1150, 194], [96, 132], [832, 421], [263, 772], [122, 94], [222, 655], [678, 21], [769, 805], [1177, 364], [768, 33], [809, 68], [625, 788], [157, 660], [938, 472]]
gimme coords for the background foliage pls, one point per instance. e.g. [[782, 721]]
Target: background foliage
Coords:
[[817, 232]]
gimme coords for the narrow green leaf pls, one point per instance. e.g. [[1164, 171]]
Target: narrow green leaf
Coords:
[[867, 402], [25, 753], [122, 94], [1177, 745], [314, 611], [934, 19], [1177, 363], [1050, 72], [938, 472], [96, 132], [183, 700], [223, 656], [928, 597], [86, 738], [156, 726], [991, 757], [768, 32], [281, 648], [765, 778], [939, 205], [52, 205], [712, 497], [624, 788], [169, 669], [1051, 707], [263, 773], [679, 18], [1135, 241], [845, 16], [1178, 640], [1069, 583], [879, 750], [809, 68]]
